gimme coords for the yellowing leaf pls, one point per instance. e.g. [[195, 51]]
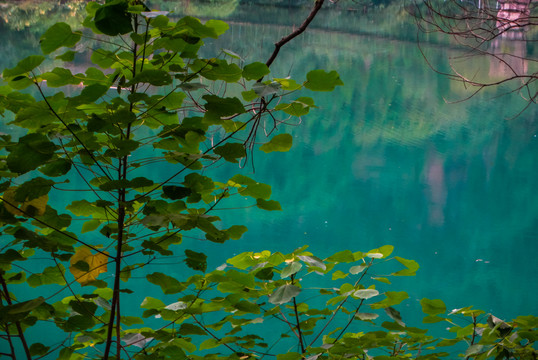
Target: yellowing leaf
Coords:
[[86, 267], [34, 207]]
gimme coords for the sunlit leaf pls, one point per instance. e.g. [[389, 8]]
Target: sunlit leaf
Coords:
[[365, 293]]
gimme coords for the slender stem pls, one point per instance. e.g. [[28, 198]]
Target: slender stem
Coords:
[[17, 323], [115, 314], [472, 336], [349, 322], [297, 321], [297, 32]]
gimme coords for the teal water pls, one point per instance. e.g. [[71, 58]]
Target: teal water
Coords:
[[386, 160]]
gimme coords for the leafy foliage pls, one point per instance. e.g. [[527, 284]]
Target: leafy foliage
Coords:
[[150, 92]]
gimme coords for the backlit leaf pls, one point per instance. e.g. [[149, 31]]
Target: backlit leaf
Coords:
[[97, 264], [32, 208], [280, 142], [32, 151], [26, 305], [320, 80], [255, 71], [411, 265], [433, 307], [269, 205], [57, 36], [196, 260], [168, 284], [113, 19], [24, 66], [231, 151], [392, 298]]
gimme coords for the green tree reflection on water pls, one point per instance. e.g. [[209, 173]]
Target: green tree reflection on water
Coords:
[[452, 186]]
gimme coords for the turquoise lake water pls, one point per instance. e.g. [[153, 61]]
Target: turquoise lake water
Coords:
[[393, 158]]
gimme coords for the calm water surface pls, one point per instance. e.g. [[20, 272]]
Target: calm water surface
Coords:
[[386, 160]]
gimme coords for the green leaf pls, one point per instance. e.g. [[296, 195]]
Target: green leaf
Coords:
[[60, 77], [67, 56], [255, 71], [474, 350], [152, 77], [432, 319], [32, 151], [168, 284], [209, 344], [411, 265], [280, 142], [50, 275], [433, 307], [196, 260], [24, 66], [176, 192], [38, 349], [33, 189], [289, 356], [338, 274], [57, 36], [152, 304], [291, 269], [284, 293], [344, 256], [231, 151], [56, 168], [219, 26], [270, 205], [320, 80], [191, 329], [299, 107], [392, 298], [113, 19], [221, 107], [394, 315], [313, 261], [26, 306], [236, 231]]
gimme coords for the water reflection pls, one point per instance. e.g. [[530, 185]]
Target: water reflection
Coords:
[[509, 49], [386, 160]]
